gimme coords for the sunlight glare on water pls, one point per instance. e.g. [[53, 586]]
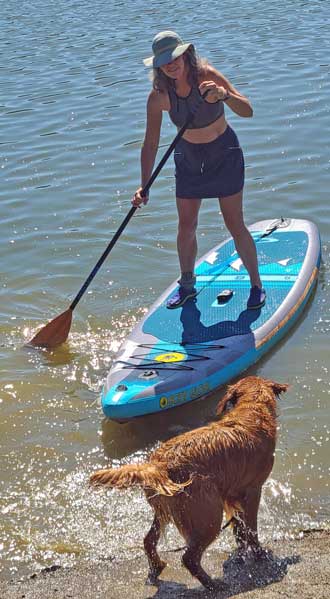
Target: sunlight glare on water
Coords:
[[73, 93]]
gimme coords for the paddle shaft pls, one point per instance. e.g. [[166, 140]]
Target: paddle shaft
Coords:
[[134, 208]]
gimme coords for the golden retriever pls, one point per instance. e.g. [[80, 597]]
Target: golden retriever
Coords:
[[191, 479]]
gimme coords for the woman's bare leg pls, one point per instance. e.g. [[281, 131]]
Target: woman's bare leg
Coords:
[[188, 210], [232, 212]]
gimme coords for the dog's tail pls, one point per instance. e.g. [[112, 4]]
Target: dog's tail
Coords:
[[149, 476]]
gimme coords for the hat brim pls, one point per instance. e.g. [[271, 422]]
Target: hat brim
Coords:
[[166, 57]]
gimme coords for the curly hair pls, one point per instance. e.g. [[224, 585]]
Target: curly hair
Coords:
[[160, 82]]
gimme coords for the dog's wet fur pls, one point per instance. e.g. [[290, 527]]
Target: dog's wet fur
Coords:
[[193, 478]]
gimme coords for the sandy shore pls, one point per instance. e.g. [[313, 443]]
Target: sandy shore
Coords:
[[298, 568]]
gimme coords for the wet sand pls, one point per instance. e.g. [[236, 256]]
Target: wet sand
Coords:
[[297, 567]]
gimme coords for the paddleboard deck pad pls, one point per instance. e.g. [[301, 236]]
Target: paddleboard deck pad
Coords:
[[175, 356]]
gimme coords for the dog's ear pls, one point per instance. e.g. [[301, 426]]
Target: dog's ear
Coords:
[[228, 401], [279, 388]]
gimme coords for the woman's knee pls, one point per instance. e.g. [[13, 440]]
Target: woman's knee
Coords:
[[188, 211], [232, 213], [187, 226], [236, 228]]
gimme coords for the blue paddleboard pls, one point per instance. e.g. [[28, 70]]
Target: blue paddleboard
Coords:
[[175, 356]]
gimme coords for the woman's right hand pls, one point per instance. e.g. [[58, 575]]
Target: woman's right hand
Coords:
[[139, 199]]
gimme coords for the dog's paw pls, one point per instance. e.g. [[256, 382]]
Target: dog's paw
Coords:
[[215, 586], [237, 559], [260, 554], [155, 572], [246, 557], [152, 579]]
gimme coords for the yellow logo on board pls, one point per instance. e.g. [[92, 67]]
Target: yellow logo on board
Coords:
[[170, 357], [163, 402], [181, 396]]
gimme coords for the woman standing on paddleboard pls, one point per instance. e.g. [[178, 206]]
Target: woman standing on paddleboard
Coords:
[[208, 158]]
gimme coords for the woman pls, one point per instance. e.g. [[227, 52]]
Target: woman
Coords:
[[209, 161]]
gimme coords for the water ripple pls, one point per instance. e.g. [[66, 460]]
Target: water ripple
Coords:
[[73, 93]]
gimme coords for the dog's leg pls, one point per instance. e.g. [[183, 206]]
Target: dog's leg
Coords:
[[239, 529], [246, 522], [191, 559], [156, 565], [252, 501], [200, 524]]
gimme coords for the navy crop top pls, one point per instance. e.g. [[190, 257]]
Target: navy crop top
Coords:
[[180, 109]]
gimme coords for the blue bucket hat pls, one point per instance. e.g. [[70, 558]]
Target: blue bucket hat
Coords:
[[166, 46]]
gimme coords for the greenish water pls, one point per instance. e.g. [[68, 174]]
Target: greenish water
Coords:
[[72, 102]]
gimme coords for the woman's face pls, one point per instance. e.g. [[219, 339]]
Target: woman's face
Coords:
[[175, 68]]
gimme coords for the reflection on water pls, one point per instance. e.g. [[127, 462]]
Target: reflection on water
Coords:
[[73, 91], [121, 440]]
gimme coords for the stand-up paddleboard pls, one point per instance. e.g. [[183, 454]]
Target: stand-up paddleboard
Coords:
[[175, 356]]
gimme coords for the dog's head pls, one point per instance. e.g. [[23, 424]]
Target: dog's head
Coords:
[[250, 385]]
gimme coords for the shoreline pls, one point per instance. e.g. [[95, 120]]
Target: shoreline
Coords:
[[298, 566]]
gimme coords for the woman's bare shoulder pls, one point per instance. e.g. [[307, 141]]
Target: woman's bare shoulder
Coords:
[[158, 100], [209, 72]]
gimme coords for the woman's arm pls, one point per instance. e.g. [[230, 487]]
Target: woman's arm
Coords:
[[220, 87], [150, 143], [152, 135]]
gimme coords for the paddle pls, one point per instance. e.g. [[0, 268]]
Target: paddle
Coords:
[[57, 330]]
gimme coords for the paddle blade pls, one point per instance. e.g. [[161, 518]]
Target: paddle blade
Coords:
[[55, 332]]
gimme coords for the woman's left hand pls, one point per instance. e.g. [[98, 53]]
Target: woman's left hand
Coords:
[[215, 92]]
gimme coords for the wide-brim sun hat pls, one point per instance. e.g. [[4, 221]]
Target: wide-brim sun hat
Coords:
[[166, 46]]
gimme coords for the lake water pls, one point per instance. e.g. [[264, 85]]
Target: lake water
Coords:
[[72, 100]]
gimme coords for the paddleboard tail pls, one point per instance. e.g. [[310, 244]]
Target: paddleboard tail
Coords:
[[151, 477]]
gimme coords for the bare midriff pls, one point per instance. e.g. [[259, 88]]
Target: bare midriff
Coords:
[[202, 135], [206, 134]]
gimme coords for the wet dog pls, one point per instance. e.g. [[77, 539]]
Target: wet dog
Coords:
[[192, 479]]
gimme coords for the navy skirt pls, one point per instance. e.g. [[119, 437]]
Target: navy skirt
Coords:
[[210, 170]]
